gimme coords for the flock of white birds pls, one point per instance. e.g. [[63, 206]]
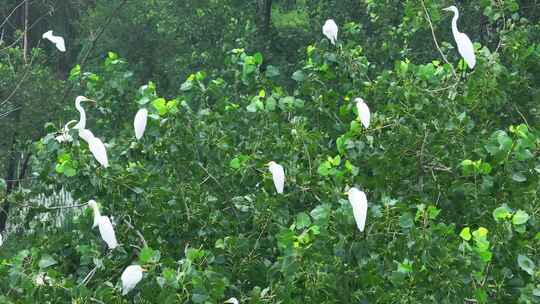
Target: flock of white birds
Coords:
[[133, 274]]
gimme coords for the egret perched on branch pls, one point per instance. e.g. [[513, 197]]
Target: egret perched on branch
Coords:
[[231, 301], [278, 175], [363, 112], [95, 144], [330, 30], [57, 40], [139, 123], [92, 204], [359, 205], [464, 44], [107, 232], [131, 276], [64, 136]]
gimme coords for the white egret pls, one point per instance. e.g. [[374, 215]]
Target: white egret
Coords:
[[1, 240], [82, 118], [232, 301], [464, 44], [359, 205], [99, 151], [330, 30], [131, 276], [139, 123], [278, 175], [107, 231], [96, 146], [57, 40], [86, 135], [64, 136], [92, 204], [363, 112]]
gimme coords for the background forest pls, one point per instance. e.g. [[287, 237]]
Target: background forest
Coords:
[[450, 163]]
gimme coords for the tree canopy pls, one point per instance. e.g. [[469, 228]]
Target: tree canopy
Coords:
[[449, 162]]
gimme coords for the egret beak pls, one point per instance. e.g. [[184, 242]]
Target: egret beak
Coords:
[[447, 9], [144, 269]]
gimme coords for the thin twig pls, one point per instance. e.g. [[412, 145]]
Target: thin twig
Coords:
[[13, 11], [428, 18], [143, 241], [211, 176]]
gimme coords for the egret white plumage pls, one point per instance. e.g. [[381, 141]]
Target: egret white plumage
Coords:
[[92, 204], [139, 123], [82, 118], [359, 205], [64, 136], [131, 276], [107, 231], [363, 112], [95, 144], [464, 44], [86, 135], [330, 30], [278, 175], [99, 151], [1, 240], [231, 301], [57, 40]]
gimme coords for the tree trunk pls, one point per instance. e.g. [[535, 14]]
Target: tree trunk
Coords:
[[265, 15]]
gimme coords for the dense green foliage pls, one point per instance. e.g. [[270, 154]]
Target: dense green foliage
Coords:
[[450, 163]]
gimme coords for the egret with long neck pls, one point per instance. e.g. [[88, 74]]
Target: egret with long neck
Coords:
[[464, 44], [82, 118]]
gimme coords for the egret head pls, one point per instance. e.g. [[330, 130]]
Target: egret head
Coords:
[[358, 99], [92, 204], [80, 99], [272, 163], [452, 8], [139, 268], [232, 301]]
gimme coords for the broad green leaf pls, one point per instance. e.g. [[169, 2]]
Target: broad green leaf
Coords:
[[299, 76], [526, 264], [47, 261], [465, 234], [160, 104], [520, 217], [501, 213]]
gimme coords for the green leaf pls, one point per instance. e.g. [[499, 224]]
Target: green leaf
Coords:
[[272, 71], [160, 104], [406, 221], [519, 177], [258, 58], [480, 233], [465, 234], [69, 171], [526, 264], [235, 163], [501, 213], [46, 261], [299, 76], [148, 255], [302, 220], [520, 217], [324, 169], [186, 86]]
